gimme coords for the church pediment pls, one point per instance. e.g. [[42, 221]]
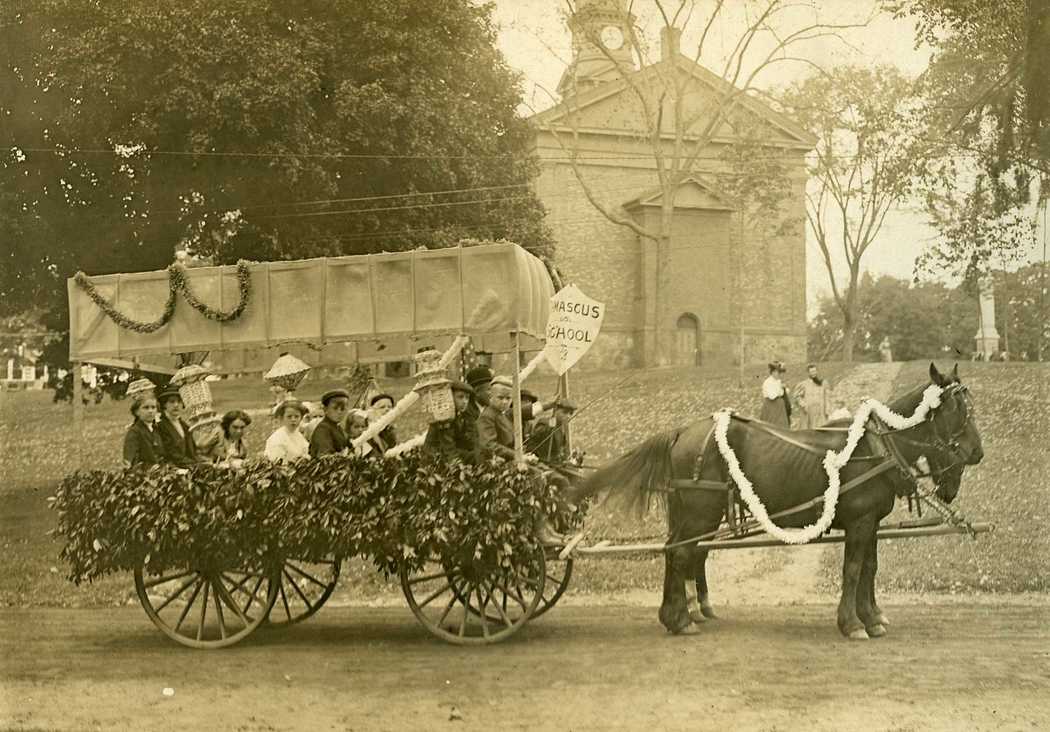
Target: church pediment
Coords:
[[691, 193], [614, 108]]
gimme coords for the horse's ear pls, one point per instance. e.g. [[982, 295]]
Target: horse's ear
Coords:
[[955, 373], [935, 375]]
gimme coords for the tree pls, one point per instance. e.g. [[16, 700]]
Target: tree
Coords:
[[989, 83], [860, 169], [921, 321], [987, 108], [685, 132], [251, 129]]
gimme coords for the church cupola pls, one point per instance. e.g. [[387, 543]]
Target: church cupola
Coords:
[[600, 30]]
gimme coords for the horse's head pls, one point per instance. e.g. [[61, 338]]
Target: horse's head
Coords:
[[952, 434]]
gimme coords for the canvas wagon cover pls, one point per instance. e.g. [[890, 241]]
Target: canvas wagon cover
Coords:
[[373, 307]]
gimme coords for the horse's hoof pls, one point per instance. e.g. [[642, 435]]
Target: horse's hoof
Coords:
[[858, 634], [881, 619], [689, 629], [708, 611], [697, 616], [876, 631]]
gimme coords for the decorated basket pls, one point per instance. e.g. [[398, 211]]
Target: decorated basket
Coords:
[[287, 372], [434, 387]]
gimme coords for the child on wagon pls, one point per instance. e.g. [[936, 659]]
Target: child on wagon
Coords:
[[456, 438], [179, 448], [142, 444], [328, 436], [287, 443]]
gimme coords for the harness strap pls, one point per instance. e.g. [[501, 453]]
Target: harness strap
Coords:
[[763, 427]]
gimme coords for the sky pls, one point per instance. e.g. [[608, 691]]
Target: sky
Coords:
[[536, 42]]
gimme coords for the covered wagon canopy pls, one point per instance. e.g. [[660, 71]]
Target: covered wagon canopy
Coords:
[[375, 307]]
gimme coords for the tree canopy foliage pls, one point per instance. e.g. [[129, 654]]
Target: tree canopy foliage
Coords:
[[987, 106], [861, 167], [250, 128], [928, 320]]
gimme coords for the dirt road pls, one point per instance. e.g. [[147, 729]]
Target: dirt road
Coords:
[[944, 667]]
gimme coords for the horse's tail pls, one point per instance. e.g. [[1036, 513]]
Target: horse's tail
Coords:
[[632, 480]]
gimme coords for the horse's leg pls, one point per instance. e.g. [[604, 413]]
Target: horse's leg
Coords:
[[703, 594], [858, 538], [874, 619], [674, 613]]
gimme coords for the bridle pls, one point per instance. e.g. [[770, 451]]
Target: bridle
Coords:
[[946, 447]]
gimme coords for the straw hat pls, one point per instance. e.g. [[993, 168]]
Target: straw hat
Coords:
[[141, 388]]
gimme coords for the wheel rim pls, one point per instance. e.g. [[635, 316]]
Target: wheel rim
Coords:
[[206, 608], [304, 588], [559, 572], [468, 607]]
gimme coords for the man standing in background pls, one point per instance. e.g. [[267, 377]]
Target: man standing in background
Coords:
[[813, 399]]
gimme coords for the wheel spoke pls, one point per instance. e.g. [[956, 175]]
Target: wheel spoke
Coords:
[[224, 595], [501, 608], [307, 575], [186, 610], [448, 608], [463, 620], [204, 612], [284, 600], [251, 597], [298, 591], [426, 578], [167, 578], [218, 613], [239, 586], [481, 613], [175, 594], [440, 591]]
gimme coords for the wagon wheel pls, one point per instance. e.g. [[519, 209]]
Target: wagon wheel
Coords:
[[304, 588], [207, 608], [467, 605], [558, 573]]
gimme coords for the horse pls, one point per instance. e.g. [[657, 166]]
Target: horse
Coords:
[[786, 471]]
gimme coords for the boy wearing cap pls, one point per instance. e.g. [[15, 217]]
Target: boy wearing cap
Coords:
[[478, 379], [328, 437], [550, 442], [456, 437]]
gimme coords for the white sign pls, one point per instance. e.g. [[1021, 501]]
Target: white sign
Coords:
[[572, 327]]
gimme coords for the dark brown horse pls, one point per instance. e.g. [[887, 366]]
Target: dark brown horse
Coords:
[[786, 471]]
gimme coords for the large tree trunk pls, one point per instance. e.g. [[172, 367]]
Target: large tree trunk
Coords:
[[849, 333]]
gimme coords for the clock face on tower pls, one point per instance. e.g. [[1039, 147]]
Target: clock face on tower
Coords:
[[612, 37]]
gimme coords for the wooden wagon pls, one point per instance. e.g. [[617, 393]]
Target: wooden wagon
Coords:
[[357, 309]]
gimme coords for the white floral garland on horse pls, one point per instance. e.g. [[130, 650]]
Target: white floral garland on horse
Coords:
[[833, 463]]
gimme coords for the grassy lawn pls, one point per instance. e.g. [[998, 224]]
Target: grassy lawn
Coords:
[[1010, 488]]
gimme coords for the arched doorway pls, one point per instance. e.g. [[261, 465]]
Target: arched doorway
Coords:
[[687, 340]]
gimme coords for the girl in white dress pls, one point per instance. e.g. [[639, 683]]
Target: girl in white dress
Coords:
[[287, 443]]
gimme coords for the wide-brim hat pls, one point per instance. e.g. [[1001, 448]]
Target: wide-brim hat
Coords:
[[334, 394], [478, 375], [140, 388], [529, 396], [462, 387]]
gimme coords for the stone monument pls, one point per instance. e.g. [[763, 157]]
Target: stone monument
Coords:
[[987, 338]]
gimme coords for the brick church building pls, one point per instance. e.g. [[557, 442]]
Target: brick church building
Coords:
[[724, 289]]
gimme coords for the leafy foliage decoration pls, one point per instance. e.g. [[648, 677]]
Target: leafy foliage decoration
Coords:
[[394, 511]]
